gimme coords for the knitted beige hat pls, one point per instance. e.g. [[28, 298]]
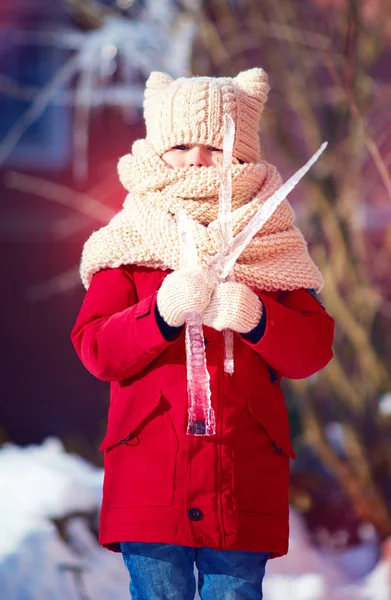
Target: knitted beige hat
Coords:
[[191, 110]]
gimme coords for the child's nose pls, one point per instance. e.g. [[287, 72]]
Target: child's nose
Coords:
[[197, 157]]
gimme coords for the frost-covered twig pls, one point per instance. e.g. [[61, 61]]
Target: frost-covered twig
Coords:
[[55, 192], [120, 45]]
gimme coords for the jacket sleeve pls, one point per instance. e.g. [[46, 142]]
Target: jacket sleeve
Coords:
[[115, 335], [298, 335]]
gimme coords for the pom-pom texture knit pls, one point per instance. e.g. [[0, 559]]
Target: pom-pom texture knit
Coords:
[[190, 110], [145, 232], [183, 292], [233, 306]]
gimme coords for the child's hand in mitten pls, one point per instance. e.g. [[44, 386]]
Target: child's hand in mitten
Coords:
[[233, 306], [182, 292]]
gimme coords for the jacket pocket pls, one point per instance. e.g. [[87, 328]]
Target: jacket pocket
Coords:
[[261, 452], [127, 415], [140, 460], [273, 417]]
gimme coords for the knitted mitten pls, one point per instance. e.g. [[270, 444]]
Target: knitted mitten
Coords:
[[233, 306], [182, 292]]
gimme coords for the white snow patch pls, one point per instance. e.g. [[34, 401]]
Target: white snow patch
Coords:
[[41, 483], [385, 404]]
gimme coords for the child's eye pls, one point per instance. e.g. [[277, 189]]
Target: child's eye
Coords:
[[180, 147], [212, 149]]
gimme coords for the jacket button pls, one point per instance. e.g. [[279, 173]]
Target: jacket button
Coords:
[[195, 514]]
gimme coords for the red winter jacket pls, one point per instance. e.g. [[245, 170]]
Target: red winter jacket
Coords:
[[228, 491]]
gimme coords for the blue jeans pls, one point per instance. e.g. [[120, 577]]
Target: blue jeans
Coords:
[[166, 572]]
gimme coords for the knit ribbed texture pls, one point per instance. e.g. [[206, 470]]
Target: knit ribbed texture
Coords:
[[183, 292], [191, 110], [145, 232], [233, 306]]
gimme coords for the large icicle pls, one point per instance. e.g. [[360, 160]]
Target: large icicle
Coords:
[[201, 415], [201, 419], [225, 176], [225, 220], [222, 263]]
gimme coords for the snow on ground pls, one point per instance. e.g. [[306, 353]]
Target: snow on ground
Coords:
[[49, 503]]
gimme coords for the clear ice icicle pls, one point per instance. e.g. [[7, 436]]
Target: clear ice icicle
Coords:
[[201, 419], [201, 415], [222, 263], [225, 220], [225, 193]]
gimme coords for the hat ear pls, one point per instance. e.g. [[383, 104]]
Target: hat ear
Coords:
[[158, 81], [254, 82]]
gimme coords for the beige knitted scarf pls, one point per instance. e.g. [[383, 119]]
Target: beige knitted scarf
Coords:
[[145, 231]]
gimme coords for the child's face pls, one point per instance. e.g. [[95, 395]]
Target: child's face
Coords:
[[192, 155]]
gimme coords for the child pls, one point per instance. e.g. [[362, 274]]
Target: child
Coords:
[[171, 499]]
